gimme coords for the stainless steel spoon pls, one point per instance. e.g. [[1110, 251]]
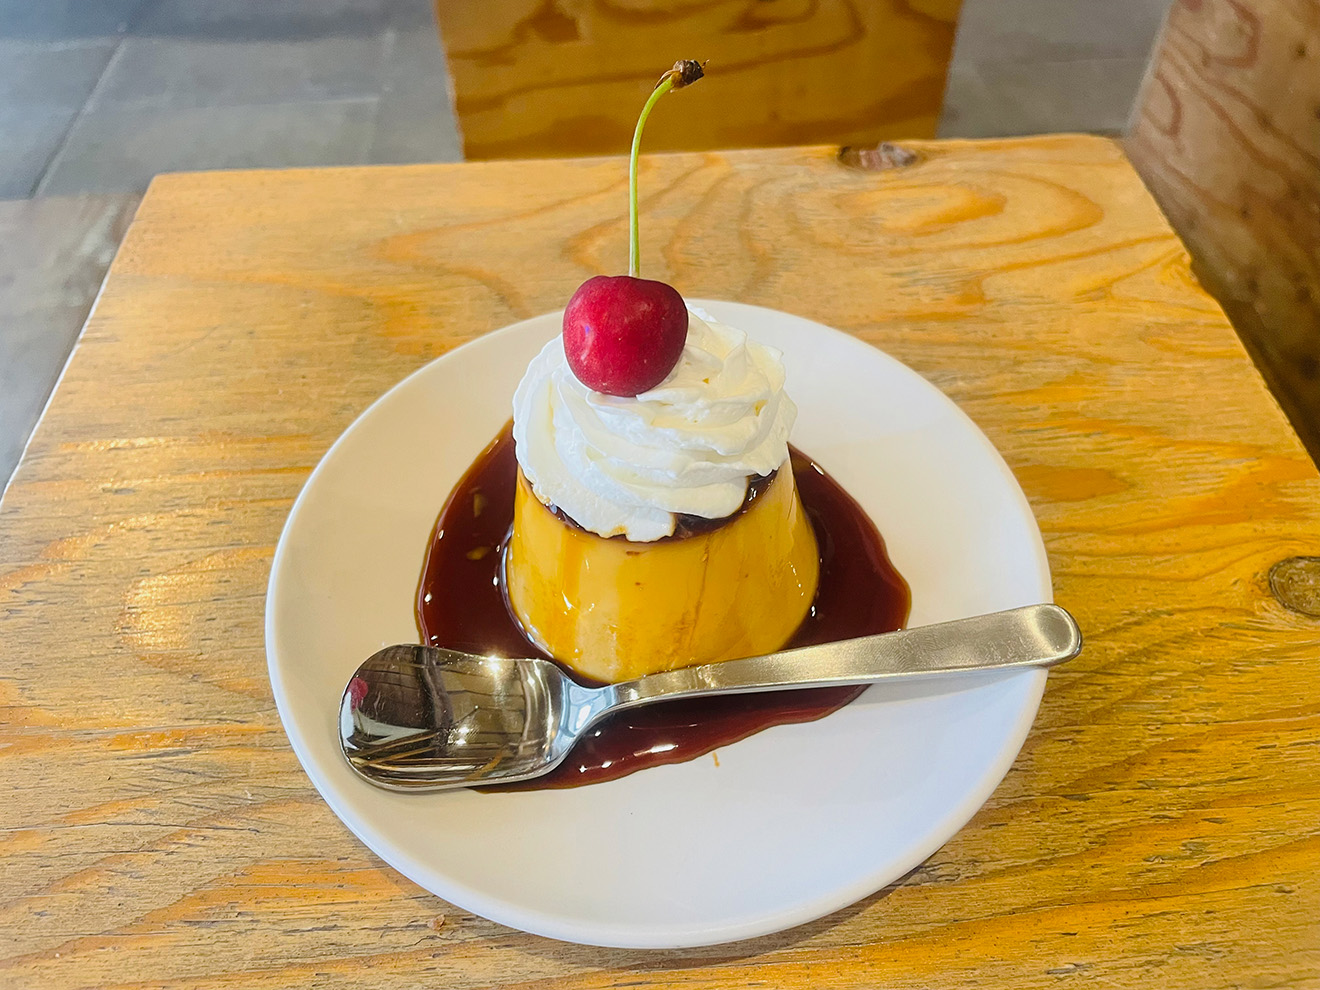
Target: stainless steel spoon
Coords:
[[417, 718]]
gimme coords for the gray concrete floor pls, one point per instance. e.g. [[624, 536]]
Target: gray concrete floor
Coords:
[[1041, 66], [100, 95], [97, 96]]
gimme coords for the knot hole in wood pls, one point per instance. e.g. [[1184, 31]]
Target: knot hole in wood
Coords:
[[882, 156], [1295, 582]]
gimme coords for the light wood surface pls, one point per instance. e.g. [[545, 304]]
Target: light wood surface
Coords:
[[1227, 138], [1161, 827], [537, 78]]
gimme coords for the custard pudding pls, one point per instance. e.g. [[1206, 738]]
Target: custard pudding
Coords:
[[664, 529]]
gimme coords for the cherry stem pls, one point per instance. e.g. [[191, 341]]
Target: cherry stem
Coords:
[[634, 236]]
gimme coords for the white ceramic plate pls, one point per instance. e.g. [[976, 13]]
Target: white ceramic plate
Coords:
[[793, 823]]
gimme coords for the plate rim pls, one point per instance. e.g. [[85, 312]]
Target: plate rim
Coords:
[[626, 936]]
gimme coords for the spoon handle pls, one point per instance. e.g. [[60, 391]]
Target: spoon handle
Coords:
[[1032, 636]]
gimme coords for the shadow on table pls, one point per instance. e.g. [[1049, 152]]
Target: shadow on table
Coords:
[[658, 960]]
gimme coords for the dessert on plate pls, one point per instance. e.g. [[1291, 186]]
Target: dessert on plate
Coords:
[[662, 529], [645, 511], [656, 522]]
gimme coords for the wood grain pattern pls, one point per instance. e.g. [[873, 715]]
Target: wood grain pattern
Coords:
[[539, 78], [1162, 824], [1227, 136]]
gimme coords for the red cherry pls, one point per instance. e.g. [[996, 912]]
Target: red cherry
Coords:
[[624, 335], [357, 692]]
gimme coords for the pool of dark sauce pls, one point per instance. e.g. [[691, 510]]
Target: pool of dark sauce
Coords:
[[460, 605]]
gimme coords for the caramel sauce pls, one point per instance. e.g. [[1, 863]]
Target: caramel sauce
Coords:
[[460, 605]]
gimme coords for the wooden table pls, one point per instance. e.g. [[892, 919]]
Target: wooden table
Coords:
[[1161, 827]]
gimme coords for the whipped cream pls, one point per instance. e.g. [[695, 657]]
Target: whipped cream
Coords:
[[628, 465]]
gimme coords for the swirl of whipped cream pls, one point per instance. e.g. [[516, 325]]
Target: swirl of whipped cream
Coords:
[[689, 445]]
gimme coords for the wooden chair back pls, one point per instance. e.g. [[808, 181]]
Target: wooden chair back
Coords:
[[540, 78], [1227, 136]]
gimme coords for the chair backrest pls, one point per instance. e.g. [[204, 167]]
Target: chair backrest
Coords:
[[1227, 136], [539, 78]]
